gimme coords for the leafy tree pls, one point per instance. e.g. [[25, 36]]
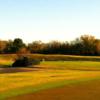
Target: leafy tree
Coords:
[[14, 46], [84, 45], [3, 45], [9, 47], [18, 44], [88, 43], [36, 47], [97, 47]]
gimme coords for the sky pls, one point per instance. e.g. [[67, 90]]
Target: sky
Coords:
[[47, 20]]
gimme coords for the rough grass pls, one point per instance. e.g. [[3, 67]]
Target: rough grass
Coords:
[[54, 57], [48, 74]]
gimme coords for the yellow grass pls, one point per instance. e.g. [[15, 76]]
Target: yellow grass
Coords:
[[5, 62], [18, 80], [47, 72]]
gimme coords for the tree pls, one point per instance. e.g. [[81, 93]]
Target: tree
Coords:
[[36, 47], [53, 47], [3, 45], [76, 47], [9, 46], [22, 52], [14, 46], [88, 43], [18, 44], [97, 47]]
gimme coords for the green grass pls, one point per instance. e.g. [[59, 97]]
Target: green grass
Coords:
[[32, 89], [49, 74], [54, 74], [54, 57], [72, 65]]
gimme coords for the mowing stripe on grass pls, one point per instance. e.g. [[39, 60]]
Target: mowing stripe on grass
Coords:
[[32, 89]]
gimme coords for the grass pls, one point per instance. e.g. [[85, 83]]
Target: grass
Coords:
[[20, 83], [72, 65], [54, 57], [49, 74], [44, 86], [84, 90], [5, 63]]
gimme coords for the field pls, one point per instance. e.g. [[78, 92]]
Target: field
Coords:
[[44, 80]]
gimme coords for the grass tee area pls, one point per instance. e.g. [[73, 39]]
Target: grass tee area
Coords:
[[49, 74]]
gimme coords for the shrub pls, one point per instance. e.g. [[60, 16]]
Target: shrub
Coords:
[[25, 61]]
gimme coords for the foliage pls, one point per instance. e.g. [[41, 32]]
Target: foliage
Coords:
[[36, 47], [84, 45], [24, 62], [14, 46], [3, 45]]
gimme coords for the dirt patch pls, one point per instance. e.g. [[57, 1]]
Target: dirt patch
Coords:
[[84, 91]]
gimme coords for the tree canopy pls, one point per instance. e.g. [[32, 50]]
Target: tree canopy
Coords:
[[84, 45]]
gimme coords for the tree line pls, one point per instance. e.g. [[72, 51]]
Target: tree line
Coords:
[[84, 45]]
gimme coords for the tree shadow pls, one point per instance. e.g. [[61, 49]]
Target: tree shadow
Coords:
[[10, 69]]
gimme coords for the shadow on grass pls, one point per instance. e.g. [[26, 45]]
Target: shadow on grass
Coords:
[[9, 69]]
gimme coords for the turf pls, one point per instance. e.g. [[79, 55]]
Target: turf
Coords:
[[14, 84], [53, 57], [72, 65], [84, 91], [49, 74]]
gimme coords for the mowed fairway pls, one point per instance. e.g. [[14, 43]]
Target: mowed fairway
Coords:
[[84, 91], [45, 77]]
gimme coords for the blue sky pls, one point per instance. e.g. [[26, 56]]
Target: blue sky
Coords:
[[47, 20]]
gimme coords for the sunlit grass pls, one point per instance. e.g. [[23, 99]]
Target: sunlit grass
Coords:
[[17, 80], [72, 65], [48, 74], [53, 57], [11, 82], [5, 63]]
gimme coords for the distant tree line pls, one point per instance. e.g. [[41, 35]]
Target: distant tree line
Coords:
[[84, 45]]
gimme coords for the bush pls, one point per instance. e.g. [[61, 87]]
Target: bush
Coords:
[[25, 61]]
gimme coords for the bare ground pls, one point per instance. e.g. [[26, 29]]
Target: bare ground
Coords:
[[83, 91]]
